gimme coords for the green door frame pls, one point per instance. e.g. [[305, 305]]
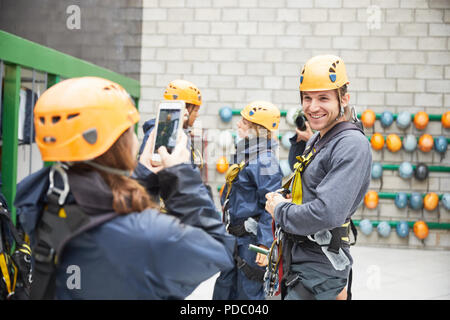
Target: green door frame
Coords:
[[17, 53]]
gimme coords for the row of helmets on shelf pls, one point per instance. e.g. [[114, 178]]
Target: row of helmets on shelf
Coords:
[[420, 228], [405, 170], [394, 143], [403, 119], [413, 200]]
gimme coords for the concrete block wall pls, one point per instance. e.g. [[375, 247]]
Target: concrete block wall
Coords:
[[396, 52], [109, 33]]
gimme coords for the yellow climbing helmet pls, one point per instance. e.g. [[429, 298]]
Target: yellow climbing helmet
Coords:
[[183, 90], [323, 72], [80, 118], [263, 113]]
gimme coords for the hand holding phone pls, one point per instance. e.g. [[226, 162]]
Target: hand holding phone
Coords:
[[180, 153], [146, 156]]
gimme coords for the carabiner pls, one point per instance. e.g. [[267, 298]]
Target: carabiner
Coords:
[[59, 168]]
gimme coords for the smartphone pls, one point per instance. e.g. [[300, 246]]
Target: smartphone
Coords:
[[169, 123]]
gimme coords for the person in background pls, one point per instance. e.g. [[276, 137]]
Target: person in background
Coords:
[[255, 171]]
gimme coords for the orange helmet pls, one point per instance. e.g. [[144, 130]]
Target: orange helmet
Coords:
[[323, 72], [263, 113], [368, 118], [445, 120], [371, 199], [183, 90], [430, 201], [222, 165], [377, 141], [393, 142], [421, 120], [426, 142], [420, 229], [80, 119]]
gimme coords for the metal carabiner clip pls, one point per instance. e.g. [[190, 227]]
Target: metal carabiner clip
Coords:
[[59, 168]]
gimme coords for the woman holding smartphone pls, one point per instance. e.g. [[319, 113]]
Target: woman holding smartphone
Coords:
[[255, 172], [86, 125]]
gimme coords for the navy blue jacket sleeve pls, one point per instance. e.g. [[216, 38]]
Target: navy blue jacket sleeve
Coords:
[[147, 128], [147, 179], [186, 197], [296, 149], [267, 177]]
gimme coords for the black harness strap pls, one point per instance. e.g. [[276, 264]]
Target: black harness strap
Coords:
[[238, 229], [57, 226], [252, 273]]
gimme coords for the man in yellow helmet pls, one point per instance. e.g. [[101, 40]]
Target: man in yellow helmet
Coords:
[[330, 180]]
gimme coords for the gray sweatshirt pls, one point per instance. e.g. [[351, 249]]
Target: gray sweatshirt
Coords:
[[333, 186]]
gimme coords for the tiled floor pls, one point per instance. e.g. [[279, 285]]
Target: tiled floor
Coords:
[[386, 273]]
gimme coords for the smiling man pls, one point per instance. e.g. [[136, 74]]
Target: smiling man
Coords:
[[330, 180]]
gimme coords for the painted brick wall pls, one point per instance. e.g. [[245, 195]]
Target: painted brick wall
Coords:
[[396, 52]]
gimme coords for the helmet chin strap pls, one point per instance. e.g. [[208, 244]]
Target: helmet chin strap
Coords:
[[119, 172], [341, 113]]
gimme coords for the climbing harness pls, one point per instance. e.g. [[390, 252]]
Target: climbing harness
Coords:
[[59, 223], [15, 267]]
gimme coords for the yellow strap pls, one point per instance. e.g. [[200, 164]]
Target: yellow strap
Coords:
[[62, 213], [15, 279], [5, 271], [231, 174], [197, 157], [297, 192], [345, 225], [162, 206]]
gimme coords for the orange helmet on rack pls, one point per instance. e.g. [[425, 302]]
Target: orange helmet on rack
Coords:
[[431, 201], [222, 164], [420, 229], [80, 119], [368, 118], [393, 142], [421, 120], [426, 142], [445, 120], [263, 113], [377, 141], [183, 90], [371, 199]]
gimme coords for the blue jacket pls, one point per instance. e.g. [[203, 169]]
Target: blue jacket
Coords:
[[147, 128], [247, 198], [142, 255]]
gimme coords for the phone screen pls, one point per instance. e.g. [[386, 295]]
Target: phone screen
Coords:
[[168, 125]]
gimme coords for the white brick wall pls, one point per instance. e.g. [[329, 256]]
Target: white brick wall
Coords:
[[236, 51]]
